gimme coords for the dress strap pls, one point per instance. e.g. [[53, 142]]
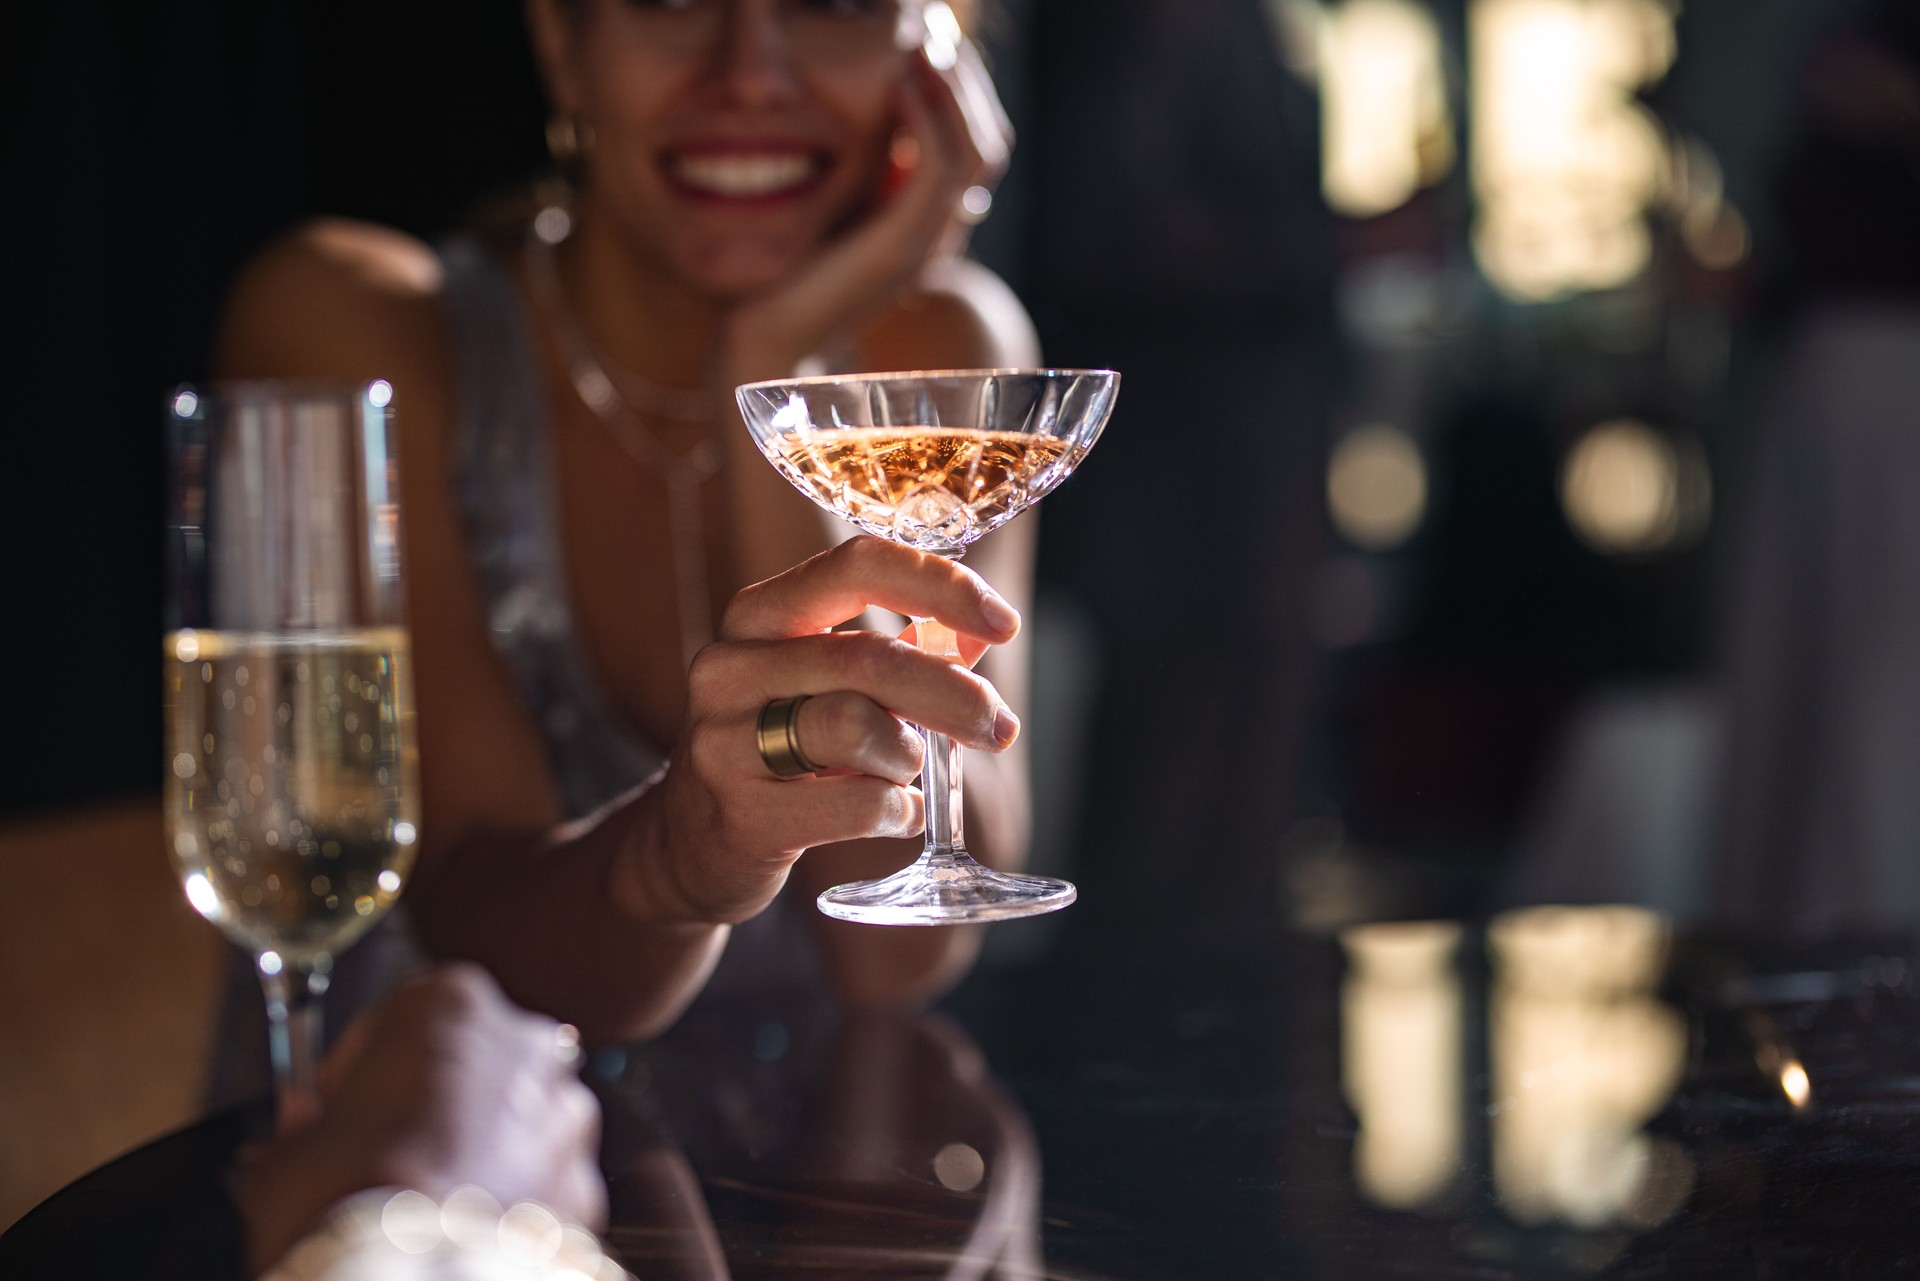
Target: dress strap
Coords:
[[507, 494]]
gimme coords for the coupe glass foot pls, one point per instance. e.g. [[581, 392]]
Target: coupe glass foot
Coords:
[[945, 894]]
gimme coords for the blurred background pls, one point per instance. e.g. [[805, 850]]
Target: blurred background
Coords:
[[1509, 490]]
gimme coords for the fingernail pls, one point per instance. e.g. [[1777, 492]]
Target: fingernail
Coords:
[[1001, 616], [1006, 726]]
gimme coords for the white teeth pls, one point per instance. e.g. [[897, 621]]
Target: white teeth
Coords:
[[743, 175]]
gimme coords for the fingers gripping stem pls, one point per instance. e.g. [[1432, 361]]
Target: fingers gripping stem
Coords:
[[940, 777]]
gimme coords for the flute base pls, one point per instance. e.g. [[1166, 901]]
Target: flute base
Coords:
[[946, 890]]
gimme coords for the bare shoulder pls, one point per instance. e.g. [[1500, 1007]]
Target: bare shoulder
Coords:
[[962, 316], [335, 298]]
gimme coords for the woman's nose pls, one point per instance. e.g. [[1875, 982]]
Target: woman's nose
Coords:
[[752, 59]]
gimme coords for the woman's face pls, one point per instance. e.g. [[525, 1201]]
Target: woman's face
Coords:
[[730, 138]]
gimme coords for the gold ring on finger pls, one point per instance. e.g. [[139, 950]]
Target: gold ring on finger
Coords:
[[779, 741]]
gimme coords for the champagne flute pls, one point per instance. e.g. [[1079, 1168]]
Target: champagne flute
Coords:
[[933, 461], [291, 798]]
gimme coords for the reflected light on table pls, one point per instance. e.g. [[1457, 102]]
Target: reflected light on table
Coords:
[[1565, 161], [1583, 1055], [1795, 1085], [1385, 128], [1400, 1059]]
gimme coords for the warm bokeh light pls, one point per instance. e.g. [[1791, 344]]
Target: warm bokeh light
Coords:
[[553, 224], [1626, 488], [1400, 1021], [1376, 487], [959, 1167], [1583, 1055], [411, 1220], [1717, 238], [1794, 1083], [1713, 231], [1565, 161], [1385, 128]]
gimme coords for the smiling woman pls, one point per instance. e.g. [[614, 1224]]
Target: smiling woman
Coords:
[[751, 186]]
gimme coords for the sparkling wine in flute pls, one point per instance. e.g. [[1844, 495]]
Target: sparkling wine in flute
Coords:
[[292, 809], [291, 789], [934, 461]]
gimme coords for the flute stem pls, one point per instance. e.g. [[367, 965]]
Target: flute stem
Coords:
[[293, 1036]]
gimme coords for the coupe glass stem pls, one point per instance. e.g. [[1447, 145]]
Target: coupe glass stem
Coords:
[[940, 775], [293, 1035]]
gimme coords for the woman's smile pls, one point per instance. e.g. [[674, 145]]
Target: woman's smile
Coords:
[[744, 172]]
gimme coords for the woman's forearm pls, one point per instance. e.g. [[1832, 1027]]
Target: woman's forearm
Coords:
[[566, 925]]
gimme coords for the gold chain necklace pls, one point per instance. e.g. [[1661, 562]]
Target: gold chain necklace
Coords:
[[683, 474]]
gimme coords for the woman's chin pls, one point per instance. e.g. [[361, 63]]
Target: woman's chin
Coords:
[[736, 273]]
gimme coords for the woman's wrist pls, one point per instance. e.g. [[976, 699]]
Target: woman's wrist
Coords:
[[645, 880]]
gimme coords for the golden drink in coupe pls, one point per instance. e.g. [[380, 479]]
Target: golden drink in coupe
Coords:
[[935, 488]]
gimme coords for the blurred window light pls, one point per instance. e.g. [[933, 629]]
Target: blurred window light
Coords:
[[1401, 1038], [1565, 162], [1627, 489], [1583, 1055], [1385, 128], [1376, 487]]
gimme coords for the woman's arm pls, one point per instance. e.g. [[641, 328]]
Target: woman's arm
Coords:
[[611, 922]]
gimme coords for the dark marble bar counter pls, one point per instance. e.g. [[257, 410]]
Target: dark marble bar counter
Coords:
[[1554, 1092]]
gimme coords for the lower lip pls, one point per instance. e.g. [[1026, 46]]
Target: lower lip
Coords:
[[763, 200]]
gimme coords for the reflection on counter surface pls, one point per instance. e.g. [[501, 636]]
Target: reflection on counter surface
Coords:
[[1583, 1056], [1553, 1092], [869, 1144]]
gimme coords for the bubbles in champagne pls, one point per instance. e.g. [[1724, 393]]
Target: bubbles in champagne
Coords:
[[293, 810]]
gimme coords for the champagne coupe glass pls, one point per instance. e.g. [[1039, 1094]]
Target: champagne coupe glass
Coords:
[[291, 798], [933, 461]]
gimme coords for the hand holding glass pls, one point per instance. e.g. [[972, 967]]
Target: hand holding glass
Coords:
[[933, 461], [291, 797]]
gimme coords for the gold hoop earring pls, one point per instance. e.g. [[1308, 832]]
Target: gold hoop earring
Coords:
[[568, 138]]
